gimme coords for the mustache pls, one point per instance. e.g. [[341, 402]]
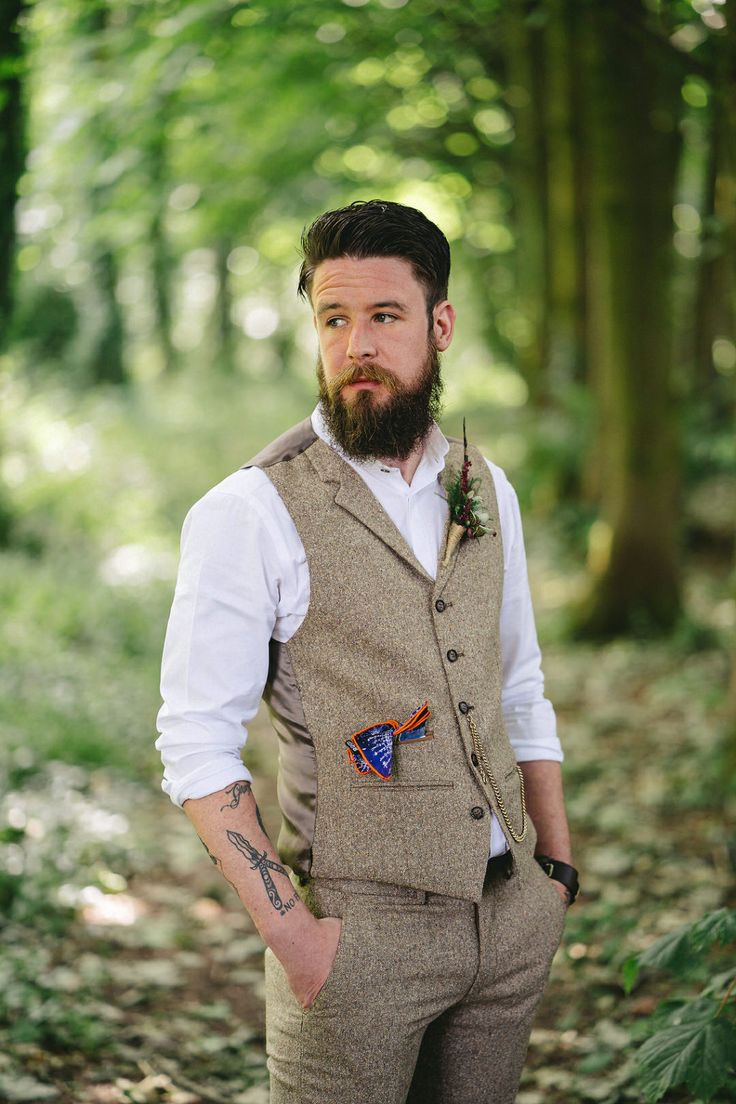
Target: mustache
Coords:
[[369, 371]]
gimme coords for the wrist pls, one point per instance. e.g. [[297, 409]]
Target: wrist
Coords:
[[290, 935], [561, 872]]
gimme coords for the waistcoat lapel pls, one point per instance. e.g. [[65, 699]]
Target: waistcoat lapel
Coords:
[[354, 496]]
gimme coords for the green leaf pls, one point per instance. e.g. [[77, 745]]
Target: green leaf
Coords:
[[630, 972], [696, 1050], [714, 927], [678, 950], [718, 984], [672, 952]]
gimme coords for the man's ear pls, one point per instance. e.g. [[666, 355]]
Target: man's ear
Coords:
[[443, 324]]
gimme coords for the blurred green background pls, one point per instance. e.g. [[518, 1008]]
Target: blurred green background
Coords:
[[158, 161]]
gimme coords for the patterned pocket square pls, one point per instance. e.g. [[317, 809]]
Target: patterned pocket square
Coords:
[[372, 749]]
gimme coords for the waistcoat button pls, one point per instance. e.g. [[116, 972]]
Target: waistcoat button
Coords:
[[440, 606], [477, 813], [463, 707], [474, 759], [452, 655]]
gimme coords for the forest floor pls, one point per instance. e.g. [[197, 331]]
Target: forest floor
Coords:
[[143, 983]]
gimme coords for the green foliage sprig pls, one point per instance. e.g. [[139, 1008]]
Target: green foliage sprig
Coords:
[[466, 507], [468, 517], [691, 1041]]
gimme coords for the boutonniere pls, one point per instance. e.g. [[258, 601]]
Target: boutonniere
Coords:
[[468, 516]]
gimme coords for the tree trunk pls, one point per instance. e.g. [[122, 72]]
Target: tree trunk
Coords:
[[106, 361], [106, 358], [523, 48], [725, 208], [12, 154], [564, 275], [633, 145], [161, 280], [160, 253], [224, 331], [715, 314], [12, 150]]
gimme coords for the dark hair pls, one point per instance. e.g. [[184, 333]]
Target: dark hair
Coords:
[[379, 228]]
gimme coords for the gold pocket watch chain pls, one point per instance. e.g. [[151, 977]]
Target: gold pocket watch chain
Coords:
[[486, 774]]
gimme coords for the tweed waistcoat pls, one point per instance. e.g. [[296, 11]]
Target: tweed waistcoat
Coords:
[[380, 638]]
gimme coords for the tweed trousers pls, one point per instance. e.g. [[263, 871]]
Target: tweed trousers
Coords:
[[430, 999]]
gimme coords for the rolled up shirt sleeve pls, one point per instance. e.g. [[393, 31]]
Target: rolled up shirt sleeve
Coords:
[[215, 659], [530, 718]]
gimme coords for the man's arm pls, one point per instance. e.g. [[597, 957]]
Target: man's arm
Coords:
[[545, 805], [529, 717], [229, 826], [239, 572]]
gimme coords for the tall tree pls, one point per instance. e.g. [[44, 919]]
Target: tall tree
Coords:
[[12, 148], [564, 238], [161, 265], [525, 70], [715, 315], [632, 141], [224, 330], [106, 356], [12, 153]]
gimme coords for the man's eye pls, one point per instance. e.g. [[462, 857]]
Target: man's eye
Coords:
[[383, 317], [333, 323]]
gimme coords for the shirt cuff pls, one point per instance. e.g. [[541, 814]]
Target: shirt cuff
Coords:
[[532, 731], [199, 785]]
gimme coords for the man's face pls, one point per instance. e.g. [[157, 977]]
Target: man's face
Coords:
[[378, 367]]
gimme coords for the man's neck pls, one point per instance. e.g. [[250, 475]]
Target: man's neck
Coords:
[[409, 466]]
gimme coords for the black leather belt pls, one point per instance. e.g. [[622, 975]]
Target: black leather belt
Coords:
[[499, 867]]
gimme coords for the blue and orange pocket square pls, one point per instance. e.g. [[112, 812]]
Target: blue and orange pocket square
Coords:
[[372, 749]]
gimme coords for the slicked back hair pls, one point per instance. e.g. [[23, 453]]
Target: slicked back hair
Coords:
[[379, 228]]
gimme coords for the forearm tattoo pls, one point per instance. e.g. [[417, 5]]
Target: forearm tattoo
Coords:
[[260, 862], [218, 863], [258, 859], [213, 858], [235, 792]]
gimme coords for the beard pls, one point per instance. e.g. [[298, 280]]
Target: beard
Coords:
[[371, 426]]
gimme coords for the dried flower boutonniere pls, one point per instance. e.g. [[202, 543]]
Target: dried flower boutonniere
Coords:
[[468, 516]]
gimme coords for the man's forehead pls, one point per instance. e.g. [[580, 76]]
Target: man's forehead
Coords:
[[371, 278]]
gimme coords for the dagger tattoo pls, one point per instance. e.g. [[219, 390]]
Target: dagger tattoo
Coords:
[[259, 861]]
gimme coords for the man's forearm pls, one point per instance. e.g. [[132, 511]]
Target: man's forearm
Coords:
[[545, 804], [230, 827]]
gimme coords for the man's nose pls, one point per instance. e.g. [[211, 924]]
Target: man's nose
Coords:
[[361, 343]]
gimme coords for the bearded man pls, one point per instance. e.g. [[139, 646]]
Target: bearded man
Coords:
[[418, 890]]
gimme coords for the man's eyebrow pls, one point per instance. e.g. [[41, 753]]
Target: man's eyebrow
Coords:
[[394, 303]]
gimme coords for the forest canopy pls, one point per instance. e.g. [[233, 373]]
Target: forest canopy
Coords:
[[578, 155]]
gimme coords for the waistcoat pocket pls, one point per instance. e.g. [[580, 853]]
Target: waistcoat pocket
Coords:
[[379, 784]]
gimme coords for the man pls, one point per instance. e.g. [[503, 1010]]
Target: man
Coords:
[[410, 944]]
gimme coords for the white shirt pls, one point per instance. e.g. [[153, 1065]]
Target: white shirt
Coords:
[[243, 578]]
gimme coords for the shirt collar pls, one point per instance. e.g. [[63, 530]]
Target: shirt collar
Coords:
[[436, 447]]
